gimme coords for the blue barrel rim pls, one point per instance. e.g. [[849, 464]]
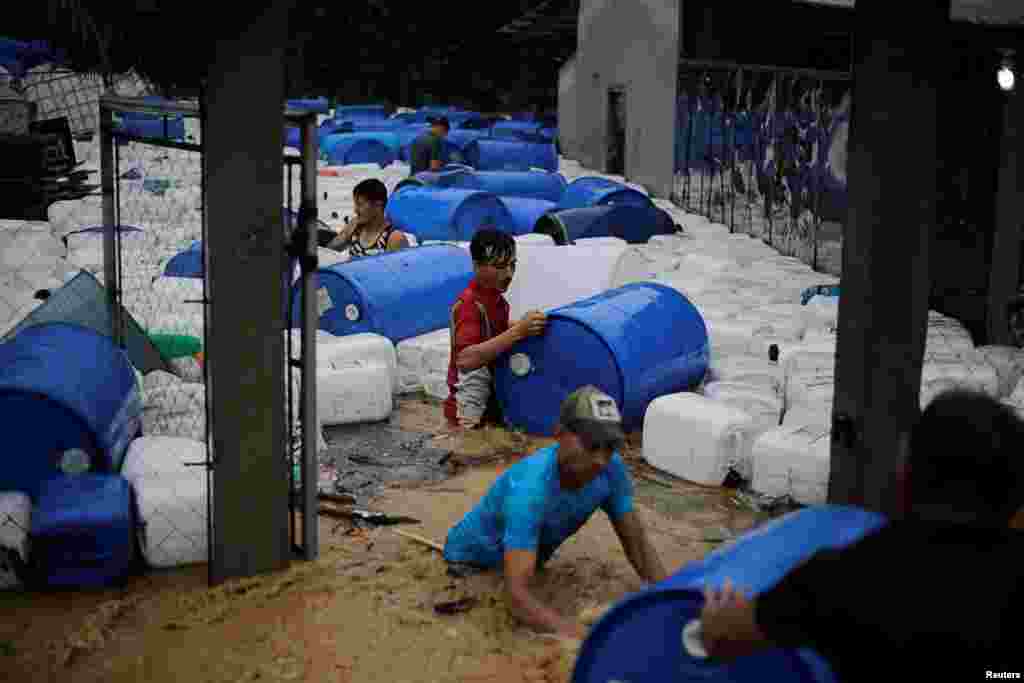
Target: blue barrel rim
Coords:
[[558, 231], [806, 660], [597, 638]]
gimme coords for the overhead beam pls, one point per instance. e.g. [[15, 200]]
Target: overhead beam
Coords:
[[883, 308]]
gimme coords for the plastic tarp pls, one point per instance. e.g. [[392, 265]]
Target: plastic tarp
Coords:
[[83, 301]]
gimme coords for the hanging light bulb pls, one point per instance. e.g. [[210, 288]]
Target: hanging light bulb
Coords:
[[1006, 78], [1005, 75]]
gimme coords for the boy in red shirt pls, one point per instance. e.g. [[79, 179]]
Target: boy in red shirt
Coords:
[[480, 331]]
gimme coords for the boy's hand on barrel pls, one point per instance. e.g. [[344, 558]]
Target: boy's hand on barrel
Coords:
[[728, 624], [532, 324]]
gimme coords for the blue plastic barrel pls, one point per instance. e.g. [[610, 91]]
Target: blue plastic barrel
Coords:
[[462, 137], [387, 138], [64, 388], [527, 184], [329, 127], [361, 111], [438, 213], [360, 152], [634, 224], [640, 639], [488, 154], [153, 126], [187, 263], [526, 212], [449, 177], [637, 342], [594, 191], [318, 105], [399, 295], [515, 130]]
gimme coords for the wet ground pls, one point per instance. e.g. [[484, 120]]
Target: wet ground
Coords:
[[366, 457]]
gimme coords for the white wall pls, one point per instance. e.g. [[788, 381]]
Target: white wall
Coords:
[[634, 45]]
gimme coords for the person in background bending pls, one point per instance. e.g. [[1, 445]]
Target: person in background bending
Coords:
[[935, 591], [371, 232]]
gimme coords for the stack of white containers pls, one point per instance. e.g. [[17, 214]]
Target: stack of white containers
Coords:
[[170, 486]]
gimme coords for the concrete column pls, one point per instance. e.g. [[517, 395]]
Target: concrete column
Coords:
[[884, 305], [1006, 243], [243, 137]]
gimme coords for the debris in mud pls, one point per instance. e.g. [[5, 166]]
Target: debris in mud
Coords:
[[365, 457], [455, 606]]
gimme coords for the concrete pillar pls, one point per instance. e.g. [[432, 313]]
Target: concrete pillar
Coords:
[[884, 305], [243, 136], [1006, 244]]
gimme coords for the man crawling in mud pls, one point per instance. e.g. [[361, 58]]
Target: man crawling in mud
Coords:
[[541, 501]]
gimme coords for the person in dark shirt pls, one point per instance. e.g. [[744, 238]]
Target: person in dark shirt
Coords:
[[932, 592], [427, 151]]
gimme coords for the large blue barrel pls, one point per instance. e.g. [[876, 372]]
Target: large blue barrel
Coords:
[[343, 152], [400, 294], [385, 137], [594, 191], [462, 137], [637, 342], [640, 639], [377, 112], [504, 155], [634, 224], [318, 105], [526, 212], [433, 213], [64, 387], [449, 177], [516, 130], [528, 184]]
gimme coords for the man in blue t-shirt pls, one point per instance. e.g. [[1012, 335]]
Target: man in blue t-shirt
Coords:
[[544, 499]]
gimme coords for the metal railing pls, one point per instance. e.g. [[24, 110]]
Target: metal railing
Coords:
[[762, 150]]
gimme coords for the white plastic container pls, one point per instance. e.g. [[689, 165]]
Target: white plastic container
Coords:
[[352, 393], [973, 372], [549, 276], [763, 404], [171, 493], [753, 370], [173, 510], [1008, 362], [696, 438], [793, 461], [643, 263], [421, 357], [153, 457], [185, 322], [176, 410], [809, 376], [366, 347], [15, 522]]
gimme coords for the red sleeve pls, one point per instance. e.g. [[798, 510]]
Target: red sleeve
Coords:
[[468, 329]]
